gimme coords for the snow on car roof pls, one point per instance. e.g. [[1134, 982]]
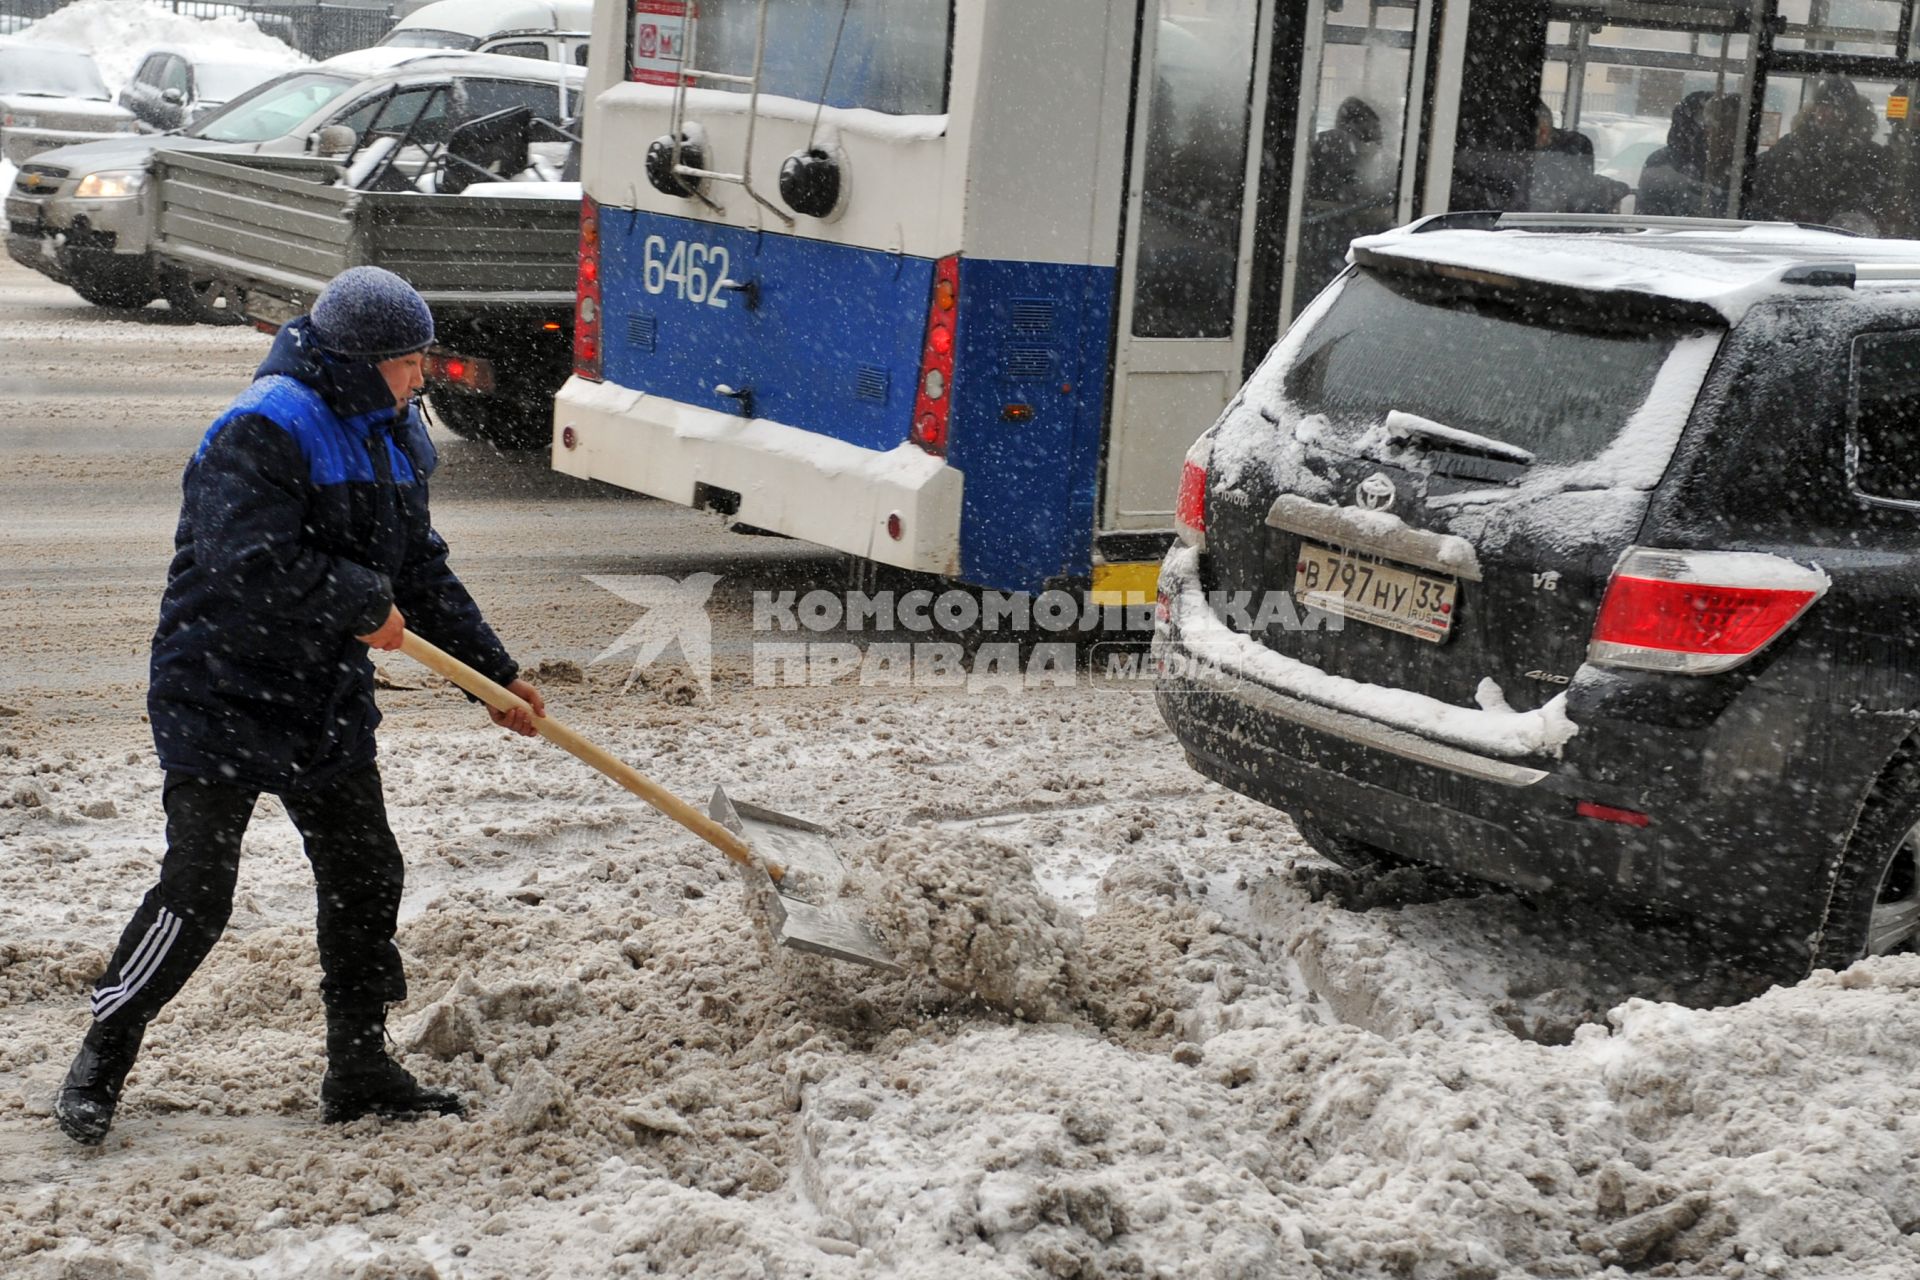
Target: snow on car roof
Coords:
[[380, 57], [383, 57], [1727, 266], [482, 18]]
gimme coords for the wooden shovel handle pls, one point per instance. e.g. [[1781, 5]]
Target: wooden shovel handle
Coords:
[[500, 699]]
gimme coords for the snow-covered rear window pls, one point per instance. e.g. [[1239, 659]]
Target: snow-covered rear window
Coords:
[[53, 73], [883, 55], [1535, 378]]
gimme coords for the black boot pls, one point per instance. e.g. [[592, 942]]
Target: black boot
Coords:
[[88, 1096], [361, 1079]]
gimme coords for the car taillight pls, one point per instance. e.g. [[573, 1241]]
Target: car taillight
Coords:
[[933, 399], [1698, 612], [1190, 505], [470, 372], [586, 307]]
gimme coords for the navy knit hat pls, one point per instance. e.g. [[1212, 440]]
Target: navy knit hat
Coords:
[[369, 313]]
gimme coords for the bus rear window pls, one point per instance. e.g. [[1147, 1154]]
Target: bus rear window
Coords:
[[883, 55]]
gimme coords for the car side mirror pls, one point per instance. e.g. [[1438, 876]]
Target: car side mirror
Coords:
[[173, 97], [335, 140]]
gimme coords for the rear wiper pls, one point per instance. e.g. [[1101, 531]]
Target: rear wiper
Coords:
[[1425, 433]]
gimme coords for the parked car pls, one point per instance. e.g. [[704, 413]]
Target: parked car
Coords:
[[549, 30], [1584, 556], [173, 87], [84, 216], [50, 96]]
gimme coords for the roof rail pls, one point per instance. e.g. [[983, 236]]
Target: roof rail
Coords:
[[1846, 275], [1492, 220], [1619, 222]]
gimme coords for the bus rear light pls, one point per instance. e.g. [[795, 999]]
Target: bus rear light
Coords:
[[933, 400], [586, 311], [1698, 612], [1190, 504]]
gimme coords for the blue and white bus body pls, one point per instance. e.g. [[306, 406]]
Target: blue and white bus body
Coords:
[[1020, 180]]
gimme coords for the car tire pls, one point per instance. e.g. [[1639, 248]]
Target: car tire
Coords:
[[198, 300], [111, 291], [1355, 855], [502, 421], [1874, 908]]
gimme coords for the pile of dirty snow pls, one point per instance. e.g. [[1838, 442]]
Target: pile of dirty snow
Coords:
[[118, 33], [1142, 1038]]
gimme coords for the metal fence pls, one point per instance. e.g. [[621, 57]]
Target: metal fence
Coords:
[[317, 30]]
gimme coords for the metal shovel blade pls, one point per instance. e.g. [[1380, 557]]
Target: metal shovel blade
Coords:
[[814, 922]]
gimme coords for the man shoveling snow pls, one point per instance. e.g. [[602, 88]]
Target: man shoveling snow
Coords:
[[304, 539]]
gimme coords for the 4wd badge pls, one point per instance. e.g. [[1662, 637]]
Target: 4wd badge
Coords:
[[1375, 493]]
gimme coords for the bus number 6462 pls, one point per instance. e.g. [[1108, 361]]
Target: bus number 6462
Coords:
[[694, 271]]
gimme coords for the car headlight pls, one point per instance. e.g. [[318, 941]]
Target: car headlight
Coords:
[[111, 184]]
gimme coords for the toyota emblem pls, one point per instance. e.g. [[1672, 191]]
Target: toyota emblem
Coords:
[[1375, 493]]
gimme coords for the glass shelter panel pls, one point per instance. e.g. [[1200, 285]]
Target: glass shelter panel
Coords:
[[1839, 26], [1638, 120], [1649, 107]]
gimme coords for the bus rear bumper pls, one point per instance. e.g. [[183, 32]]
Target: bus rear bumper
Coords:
[[899, 506]]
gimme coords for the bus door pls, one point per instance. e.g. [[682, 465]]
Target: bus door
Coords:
[[1191, 195], [1290, 123]]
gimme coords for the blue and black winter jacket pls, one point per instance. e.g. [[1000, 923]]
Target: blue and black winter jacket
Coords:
[[304, 518]]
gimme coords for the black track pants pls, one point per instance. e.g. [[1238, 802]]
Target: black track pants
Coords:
[[357, 877]]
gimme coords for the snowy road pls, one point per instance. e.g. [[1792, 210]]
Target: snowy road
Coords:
[[1234, 1080]]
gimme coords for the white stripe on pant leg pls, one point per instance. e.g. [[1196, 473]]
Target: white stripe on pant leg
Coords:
[[152, 966], [132, 981], [154, 930]]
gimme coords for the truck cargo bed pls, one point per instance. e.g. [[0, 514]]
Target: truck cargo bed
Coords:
[[275, 229]]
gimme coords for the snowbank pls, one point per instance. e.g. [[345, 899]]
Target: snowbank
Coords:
[[118, 33], [1236, 1078]]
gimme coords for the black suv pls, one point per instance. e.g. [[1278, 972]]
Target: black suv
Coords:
[[1579, 553]]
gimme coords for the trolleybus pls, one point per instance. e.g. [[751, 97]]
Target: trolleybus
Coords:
[[951, 285]]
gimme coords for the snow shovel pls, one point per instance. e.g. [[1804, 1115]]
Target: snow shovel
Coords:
[[792, 851]]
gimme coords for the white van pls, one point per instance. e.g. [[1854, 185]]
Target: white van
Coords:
[[548, 30]]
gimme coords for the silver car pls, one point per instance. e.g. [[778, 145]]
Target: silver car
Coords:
[[51, 96], [85, 215]]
